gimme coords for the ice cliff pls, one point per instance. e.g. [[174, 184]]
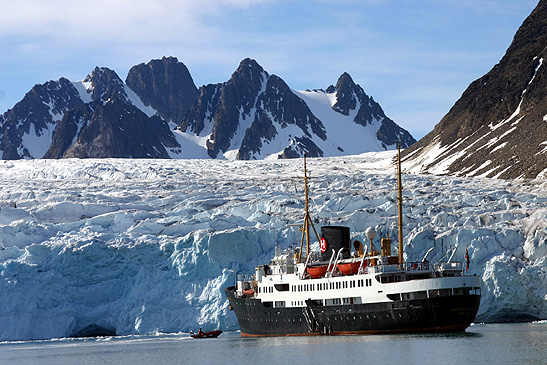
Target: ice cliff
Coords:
[[145, 246]]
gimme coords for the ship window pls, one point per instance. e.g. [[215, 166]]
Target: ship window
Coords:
[[279, 304], [268, 304], [281, 287]]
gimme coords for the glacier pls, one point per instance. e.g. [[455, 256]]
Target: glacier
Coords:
[[147, 246]]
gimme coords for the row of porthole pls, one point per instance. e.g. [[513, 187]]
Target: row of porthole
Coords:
[[328, 318]]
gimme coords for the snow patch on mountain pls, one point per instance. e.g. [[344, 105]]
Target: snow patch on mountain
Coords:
[[192, 146], [37, 144], [344, 136], [84, 90], [136, 101]]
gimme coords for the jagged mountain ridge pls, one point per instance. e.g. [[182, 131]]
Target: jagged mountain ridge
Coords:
[[498, 128], [241, 114], [253, 115], [110, 125], [256, 115]]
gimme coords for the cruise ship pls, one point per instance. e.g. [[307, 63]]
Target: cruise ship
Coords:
[[348, 289]]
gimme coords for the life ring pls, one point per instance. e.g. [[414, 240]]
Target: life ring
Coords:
[[323, 244]]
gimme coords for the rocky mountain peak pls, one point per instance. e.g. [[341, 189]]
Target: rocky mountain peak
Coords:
[[248, 79], [104, 82], [248, 70], [347, 94], [165, 85], [497, 128]]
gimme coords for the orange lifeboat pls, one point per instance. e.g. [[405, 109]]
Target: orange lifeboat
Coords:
[[317, 271], [248, 291], [350, 268]]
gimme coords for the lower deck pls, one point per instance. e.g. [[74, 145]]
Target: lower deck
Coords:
[[431, 314]]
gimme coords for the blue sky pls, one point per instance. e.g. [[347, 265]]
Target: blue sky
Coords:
[[414, 57]]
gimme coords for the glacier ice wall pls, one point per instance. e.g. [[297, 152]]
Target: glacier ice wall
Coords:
[[145, 246]]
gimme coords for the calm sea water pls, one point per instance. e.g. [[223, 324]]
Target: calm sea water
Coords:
[[480, 344]]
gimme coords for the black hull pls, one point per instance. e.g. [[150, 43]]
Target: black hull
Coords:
[[441, 314]]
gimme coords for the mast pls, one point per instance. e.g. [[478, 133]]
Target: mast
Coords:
[[400, 200], [307, 214], [307, 218]]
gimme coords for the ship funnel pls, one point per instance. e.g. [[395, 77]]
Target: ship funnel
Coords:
[[336, 237]]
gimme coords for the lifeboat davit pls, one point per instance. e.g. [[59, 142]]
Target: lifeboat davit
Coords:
[[317, 271], [350, 268]]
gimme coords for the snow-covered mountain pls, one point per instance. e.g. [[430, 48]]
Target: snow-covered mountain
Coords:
[[97, 117], [498, 128], [145, 246], [256, 115], [159, 113]]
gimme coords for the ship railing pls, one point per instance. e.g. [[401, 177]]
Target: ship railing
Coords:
[[449, 266], [407, 266], [417, 266], [380, 269]]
